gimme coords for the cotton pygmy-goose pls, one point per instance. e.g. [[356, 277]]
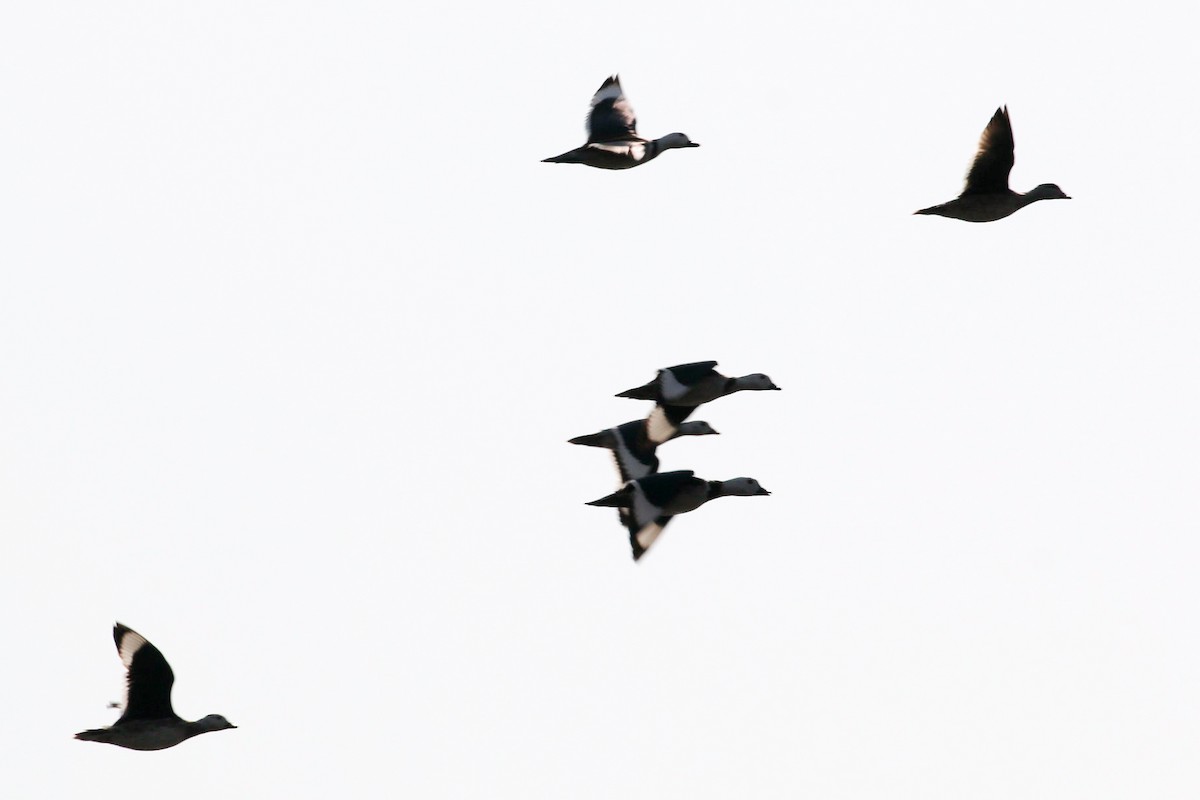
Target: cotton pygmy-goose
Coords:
[[693, 384], [634, 447], [986, 196], [649, 503], [613, 141], [149, 722]]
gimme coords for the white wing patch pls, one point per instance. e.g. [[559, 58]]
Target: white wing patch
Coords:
[[644, 512], [658, 428], [627, 464], [131, 642], [633, 150], [670, 387], [647, 535]]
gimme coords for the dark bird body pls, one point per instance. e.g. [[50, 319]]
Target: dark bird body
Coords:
[[651, 502], [613, 141], [149, 722], [986, 196], [633, 446]]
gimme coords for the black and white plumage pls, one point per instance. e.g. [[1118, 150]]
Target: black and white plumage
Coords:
[[690, 385], [149, 722], [613, 141], [650, 503], [664, 420], [633, 446], [986, 196]]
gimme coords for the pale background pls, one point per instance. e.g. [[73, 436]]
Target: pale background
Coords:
[[294, 327]]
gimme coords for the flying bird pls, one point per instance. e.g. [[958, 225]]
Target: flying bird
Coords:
[[613, 141], [149, 722], [696, 383], [649, 503], [634, 447], [986, 196]]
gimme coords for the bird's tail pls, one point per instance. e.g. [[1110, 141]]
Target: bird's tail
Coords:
[[591, 440], [618, 499], [570, 157], [647, 392]]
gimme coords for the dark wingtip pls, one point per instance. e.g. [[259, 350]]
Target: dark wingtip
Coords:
[[119, 632]]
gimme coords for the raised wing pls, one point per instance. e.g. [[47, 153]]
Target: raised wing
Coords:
[[149, 677], [994, 159], [611, 118]]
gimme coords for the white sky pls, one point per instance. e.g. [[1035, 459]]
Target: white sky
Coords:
[[294, 328]]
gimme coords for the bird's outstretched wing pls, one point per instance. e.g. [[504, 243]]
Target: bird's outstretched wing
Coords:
[[611, 118], [149, 677], [994, 159]]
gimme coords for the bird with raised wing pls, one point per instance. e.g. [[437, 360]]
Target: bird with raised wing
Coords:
[[613, 141], [149, 722], [986, 196]]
